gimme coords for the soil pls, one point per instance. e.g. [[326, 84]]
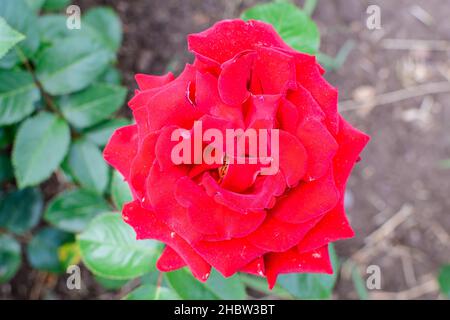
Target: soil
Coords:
[[398, 190]]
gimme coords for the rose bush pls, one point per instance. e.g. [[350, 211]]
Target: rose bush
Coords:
[[229, 216]]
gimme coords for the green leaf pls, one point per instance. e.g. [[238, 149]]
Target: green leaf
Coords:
[[110, 284], [226, 288], [39, 147], [188, 287], [54, 5], [111, 75], [71, 64], [20, 17], [21, 210], [151, 292], [6, 173], [53, 27], [444, 280], [101, 133], [293, 25], [35, 5], [18, 95], [260, 284], [92, 105], [120, 191], [309, 285], [107, 25], [10, 257], [109, 249], [69, 254], [73, 210], [42, 251], [8, 37], [87, 166]]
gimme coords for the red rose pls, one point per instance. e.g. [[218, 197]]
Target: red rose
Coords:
[[230, 216]]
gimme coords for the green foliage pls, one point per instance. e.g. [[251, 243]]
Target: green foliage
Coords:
[[87, 166], [152, 292], [42, 251], [72, 210], [444, 280], [101, 133], [109, 249], [8, 37], [10, 257], [120, 192], [21, 210], [39, 147]]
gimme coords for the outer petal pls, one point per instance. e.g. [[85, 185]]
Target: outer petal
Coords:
[[315, 261], [147, 226], [227, 38], [169, 260], [335, 226], [146, 81], [121, 149], [256, 267], [320, 146], [308, 201], [229, 256], [293, 158]]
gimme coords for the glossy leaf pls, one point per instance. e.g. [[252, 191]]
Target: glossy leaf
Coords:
[[101, 133], [151, 292], [73, 210], [39, 147], [21, 210], [120, 191], [71, 64], [293, 24], [111, 75], [226, 288], [107, 25], [8, 37], [42, 251], [52, 5], [110, 284], [21, 18], [109, 249], [10, 257], [18, 95], [93, 105], [87, 166]]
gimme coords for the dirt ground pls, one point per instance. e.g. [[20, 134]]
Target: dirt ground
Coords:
[[399, 197]]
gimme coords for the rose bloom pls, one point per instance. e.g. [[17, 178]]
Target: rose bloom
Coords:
[[229, 216]]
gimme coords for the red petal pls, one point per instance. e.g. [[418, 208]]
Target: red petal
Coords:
[[256, 267], [227, 38], [320, 146], [260, 198], [210, 218], [288, 116], [262, 111], [293, 158], [316, 261], [169, 260], [308, 201], [146, 81], [234, 78], [229, 256], [275, 71], [121, 149], [275, 235], [147, 226], [141, 164]]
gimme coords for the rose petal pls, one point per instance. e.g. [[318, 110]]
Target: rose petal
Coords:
[[227, 38], [121, 149], [293, 158], [169, 260], [316, 261], [146, 81], [262, 111], [256, 267], [308, 200], [234, 79]]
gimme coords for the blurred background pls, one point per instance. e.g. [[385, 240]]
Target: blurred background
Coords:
[[394, 84]]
